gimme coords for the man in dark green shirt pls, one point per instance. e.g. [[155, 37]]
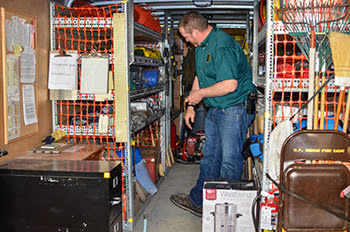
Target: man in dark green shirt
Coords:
[[224, 82]]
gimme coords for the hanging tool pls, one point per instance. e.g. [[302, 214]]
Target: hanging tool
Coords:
[[167, 159], [172, 159], [309, 22], [317, 85], [347, 111], [312, 97], [323, 97], [340, 45]]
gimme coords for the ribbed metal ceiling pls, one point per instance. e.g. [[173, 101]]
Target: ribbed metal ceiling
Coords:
[[223, 13]]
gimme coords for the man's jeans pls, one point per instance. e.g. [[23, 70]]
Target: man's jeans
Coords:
[[225, 133]]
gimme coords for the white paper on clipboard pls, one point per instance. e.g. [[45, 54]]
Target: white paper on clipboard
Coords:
[[63, 71], [94, 74]]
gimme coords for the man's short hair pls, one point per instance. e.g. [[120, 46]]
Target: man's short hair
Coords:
[[193, 20]]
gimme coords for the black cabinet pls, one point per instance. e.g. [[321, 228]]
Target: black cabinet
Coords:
[[59, 195]]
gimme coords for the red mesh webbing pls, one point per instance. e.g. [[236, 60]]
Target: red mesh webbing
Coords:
[[291, 83]]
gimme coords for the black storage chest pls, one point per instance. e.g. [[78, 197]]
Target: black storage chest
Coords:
[[60, 195]]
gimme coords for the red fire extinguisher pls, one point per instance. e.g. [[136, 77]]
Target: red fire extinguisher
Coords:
[[269, 211], [174, 138]]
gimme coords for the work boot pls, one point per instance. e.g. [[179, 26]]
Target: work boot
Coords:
[[186, 204]]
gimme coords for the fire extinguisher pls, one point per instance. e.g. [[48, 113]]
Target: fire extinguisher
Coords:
[[269, 211]]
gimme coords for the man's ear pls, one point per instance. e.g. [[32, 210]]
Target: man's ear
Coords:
[[195, 33]]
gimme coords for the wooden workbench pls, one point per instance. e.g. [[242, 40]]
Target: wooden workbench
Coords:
[[75, 152]]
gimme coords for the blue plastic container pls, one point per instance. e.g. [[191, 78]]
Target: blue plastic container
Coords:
[[143, 177], [151, 77], [136, 152]]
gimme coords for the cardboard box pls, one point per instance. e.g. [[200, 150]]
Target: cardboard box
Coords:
[[137, 202], [228, 205]]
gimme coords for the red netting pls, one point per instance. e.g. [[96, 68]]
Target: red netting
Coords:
[[85, 29], [290, 85]]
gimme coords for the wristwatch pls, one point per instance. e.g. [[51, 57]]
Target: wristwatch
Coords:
[[188, 105]]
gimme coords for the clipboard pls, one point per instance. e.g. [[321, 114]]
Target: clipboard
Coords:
[[63, 70], [94, 73]]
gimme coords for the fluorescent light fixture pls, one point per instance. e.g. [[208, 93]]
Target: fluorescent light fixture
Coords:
[[202, 3]]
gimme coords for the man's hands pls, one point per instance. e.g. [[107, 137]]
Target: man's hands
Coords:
[[194, 98], [189, 116], [221, 88]]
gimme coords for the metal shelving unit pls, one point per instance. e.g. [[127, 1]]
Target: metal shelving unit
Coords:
[[154, 117], [138, 93], [146, 61], [268, 86], [125, 33]]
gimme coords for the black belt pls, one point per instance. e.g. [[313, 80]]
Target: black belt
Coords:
[[240, 104]]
